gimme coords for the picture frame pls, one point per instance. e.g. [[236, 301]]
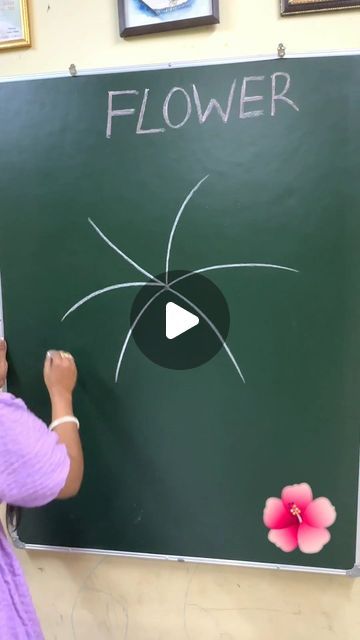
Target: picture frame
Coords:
[[291, 7], [14, 24], [140, 17]]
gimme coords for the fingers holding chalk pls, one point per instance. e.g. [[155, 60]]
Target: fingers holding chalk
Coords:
[[63, 354], [60, 372]]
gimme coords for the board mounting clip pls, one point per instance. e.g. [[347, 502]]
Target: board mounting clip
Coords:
[[281, 50], [73, 70]]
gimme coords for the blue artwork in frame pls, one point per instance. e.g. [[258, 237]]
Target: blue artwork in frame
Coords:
[[138, 17]]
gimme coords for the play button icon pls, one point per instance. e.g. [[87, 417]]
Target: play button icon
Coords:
[[178, 320]]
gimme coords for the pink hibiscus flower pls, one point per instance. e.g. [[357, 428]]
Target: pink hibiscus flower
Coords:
[[297, 520]]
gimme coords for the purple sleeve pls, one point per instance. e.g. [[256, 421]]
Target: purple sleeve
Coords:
[[33, 464]]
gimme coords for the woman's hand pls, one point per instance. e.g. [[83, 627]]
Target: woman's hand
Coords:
[[60, 374]]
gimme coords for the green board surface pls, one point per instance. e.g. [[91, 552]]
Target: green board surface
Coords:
[[181, 462]]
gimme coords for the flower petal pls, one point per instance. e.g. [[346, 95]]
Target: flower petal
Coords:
[[320, 513], [286, 539], [300, 494], [312, 539], [275, 514]]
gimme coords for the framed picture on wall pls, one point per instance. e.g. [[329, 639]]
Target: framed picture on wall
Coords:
[[138, 17], [14, 24], [289, 7]]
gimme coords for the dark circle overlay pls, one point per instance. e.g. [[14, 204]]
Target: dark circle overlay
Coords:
[[194, 347]]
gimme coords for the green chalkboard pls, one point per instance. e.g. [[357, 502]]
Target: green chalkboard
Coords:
[[181, 456]]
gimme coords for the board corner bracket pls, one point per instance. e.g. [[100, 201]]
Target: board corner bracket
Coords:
[[354, 572]]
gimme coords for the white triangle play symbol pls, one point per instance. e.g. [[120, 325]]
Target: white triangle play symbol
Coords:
[[178, 320]]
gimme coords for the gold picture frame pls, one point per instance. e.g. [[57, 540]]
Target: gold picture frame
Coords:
[[291, 7], [14, 24]]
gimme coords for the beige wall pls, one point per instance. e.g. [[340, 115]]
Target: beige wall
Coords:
[[85, 32], [86, 597]]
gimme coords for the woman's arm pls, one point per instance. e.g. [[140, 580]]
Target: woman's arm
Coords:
[[60, 378], [36, 464]]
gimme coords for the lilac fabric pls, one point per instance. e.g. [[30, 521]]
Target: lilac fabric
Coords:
[[33, 470]]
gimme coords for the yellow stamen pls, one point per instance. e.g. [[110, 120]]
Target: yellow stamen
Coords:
[[295, 511]]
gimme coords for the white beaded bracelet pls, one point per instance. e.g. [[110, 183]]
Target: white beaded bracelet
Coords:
[[59, 421]]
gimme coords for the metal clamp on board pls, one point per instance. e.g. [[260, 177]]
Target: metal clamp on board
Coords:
[[73, 70], [281, 50]]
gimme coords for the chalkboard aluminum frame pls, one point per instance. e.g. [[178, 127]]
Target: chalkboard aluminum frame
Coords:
[[293, 7], [212, 18], [355, 571]]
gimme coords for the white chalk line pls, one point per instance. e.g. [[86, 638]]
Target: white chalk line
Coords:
[[204, 316], [214, 329], [234, 266], [187, 199], [129, 334], [98, 292], [167, 286], [122, 254]]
